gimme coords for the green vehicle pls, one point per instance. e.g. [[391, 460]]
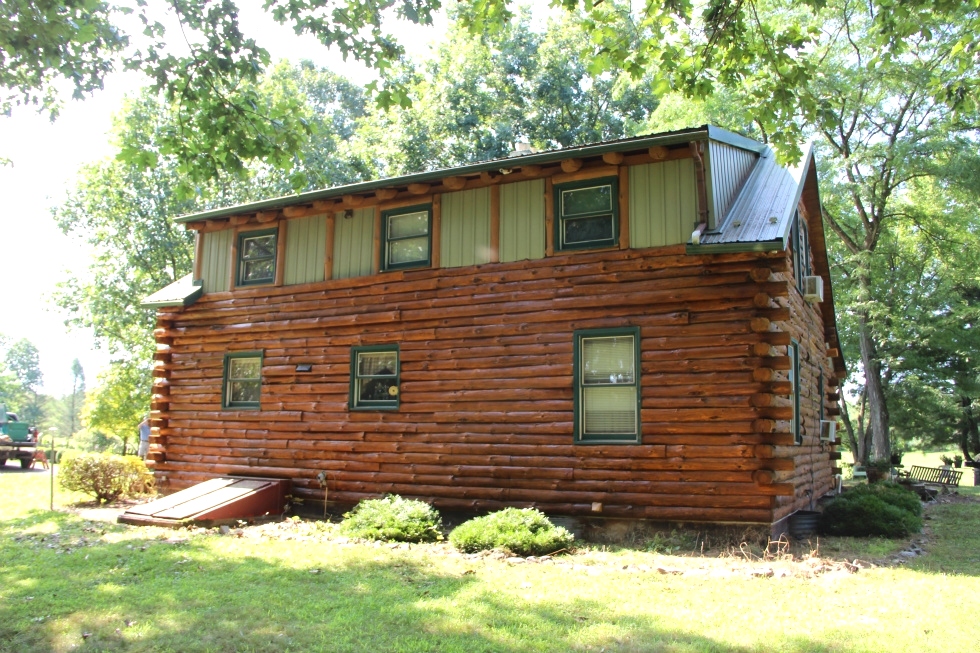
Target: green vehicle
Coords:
[[17, 439]]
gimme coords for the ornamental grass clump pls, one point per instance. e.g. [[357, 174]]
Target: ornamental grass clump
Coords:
[[105, 476], [393, 519], [524, 531], [884, 509]]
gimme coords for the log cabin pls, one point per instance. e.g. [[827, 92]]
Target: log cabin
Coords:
[[638, 329]]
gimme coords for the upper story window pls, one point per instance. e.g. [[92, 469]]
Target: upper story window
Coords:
[[257, 257], [802, 267], [242, 380], [407, 237], [607, 385], [587, 214], [374, 378]]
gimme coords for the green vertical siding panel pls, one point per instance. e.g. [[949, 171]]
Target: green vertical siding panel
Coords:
[[465, 228], [522, 223], [306, 240], [215, 261], [662, 201], [353, 244]]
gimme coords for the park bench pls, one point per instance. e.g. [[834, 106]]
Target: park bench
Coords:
[[941, 478]]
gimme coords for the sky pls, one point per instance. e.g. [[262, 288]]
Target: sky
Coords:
[[46, 158]]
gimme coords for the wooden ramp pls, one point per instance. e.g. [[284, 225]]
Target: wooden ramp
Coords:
[[222, 500]]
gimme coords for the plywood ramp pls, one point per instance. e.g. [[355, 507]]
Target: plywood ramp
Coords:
[[219, 500]]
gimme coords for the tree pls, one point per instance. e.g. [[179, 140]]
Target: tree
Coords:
[[892, 150], [698, 48], [119, 401], [476, 97], [24, 362], [77, 394]]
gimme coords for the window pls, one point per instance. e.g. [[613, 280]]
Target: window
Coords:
[[587, 214], [407, 237], [242, 380], [607, 385], [801, 251], [794, 378], [256, 257], [374, 378]]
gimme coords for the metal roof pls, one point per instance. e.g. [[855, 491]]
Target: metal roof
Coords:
[[704, 132], [761, 216], [182, 292]]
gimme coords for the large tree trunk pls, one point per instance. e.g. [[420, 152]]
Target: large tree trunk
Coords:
[[877, 408], [969, 430]]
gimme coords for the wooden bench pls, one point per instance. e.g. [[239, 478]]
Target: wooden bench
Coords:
[[941, 477]]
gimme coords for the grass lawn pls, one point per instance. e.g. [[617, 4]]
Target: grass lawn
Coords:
[[68, 583]]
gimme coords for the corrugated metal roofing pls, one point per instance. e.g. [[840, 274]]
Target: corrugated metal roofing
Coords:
[[594, 149], [763, 211]]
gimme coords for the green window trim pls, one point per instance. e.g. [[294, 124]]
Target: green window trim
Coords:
[[802, 265], [595, 352], [374, 385], [256, 250], [794, 362], [403, 243], [241, 382], [587, 214]]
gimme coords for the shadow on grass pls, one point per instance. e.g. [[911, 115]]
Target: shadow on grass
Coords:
[[62, 590]]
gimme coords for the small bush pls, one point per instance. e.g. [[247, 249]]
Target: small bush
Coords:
[[883, 509], [105, 476], [393, 519], [524, 531]]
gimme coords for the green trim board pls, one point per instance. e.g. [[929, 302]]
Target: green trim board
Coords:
[[607, 396], [256, 264], [794, 361], [587, 214], [406, 237], [241, 380], [375, 376]]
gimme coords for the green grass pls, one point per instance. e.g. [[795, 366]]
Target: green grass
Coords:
[[148, 589]]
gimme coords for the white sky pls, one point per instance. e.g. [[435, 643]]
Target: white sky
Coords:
[[35, 255]]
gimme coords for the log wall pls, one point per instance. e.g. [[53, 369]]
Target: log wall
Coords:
[[485, 417]]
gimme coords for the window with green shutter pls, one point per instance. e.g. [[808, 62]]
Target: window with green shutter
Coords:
[[587, 214], [607, 385], [407, 237], [374, 378], [256, 257], [242, 380]]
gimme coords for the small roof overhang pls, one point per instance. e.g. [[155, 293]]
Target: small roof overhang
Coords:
[[182, 292]]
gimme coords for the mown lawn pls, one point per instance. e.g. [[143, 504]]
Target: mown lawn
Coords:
[[70, 584]]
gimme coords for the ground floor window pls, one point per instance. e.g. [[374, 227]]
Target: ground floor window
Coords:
[[242, 380], [607, 385], [374, 378]]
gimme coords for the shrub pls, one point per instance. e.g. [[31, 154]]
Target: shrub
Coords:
[[882, 509], [524, 531], [105, 476], [393, 519]]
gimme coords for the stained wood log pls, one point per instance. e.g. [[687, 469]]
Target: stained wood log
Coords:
[[613, 158], [385, 194], [419, 189], [659, 153], [454, 183], [571, 165], [761, 275]]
